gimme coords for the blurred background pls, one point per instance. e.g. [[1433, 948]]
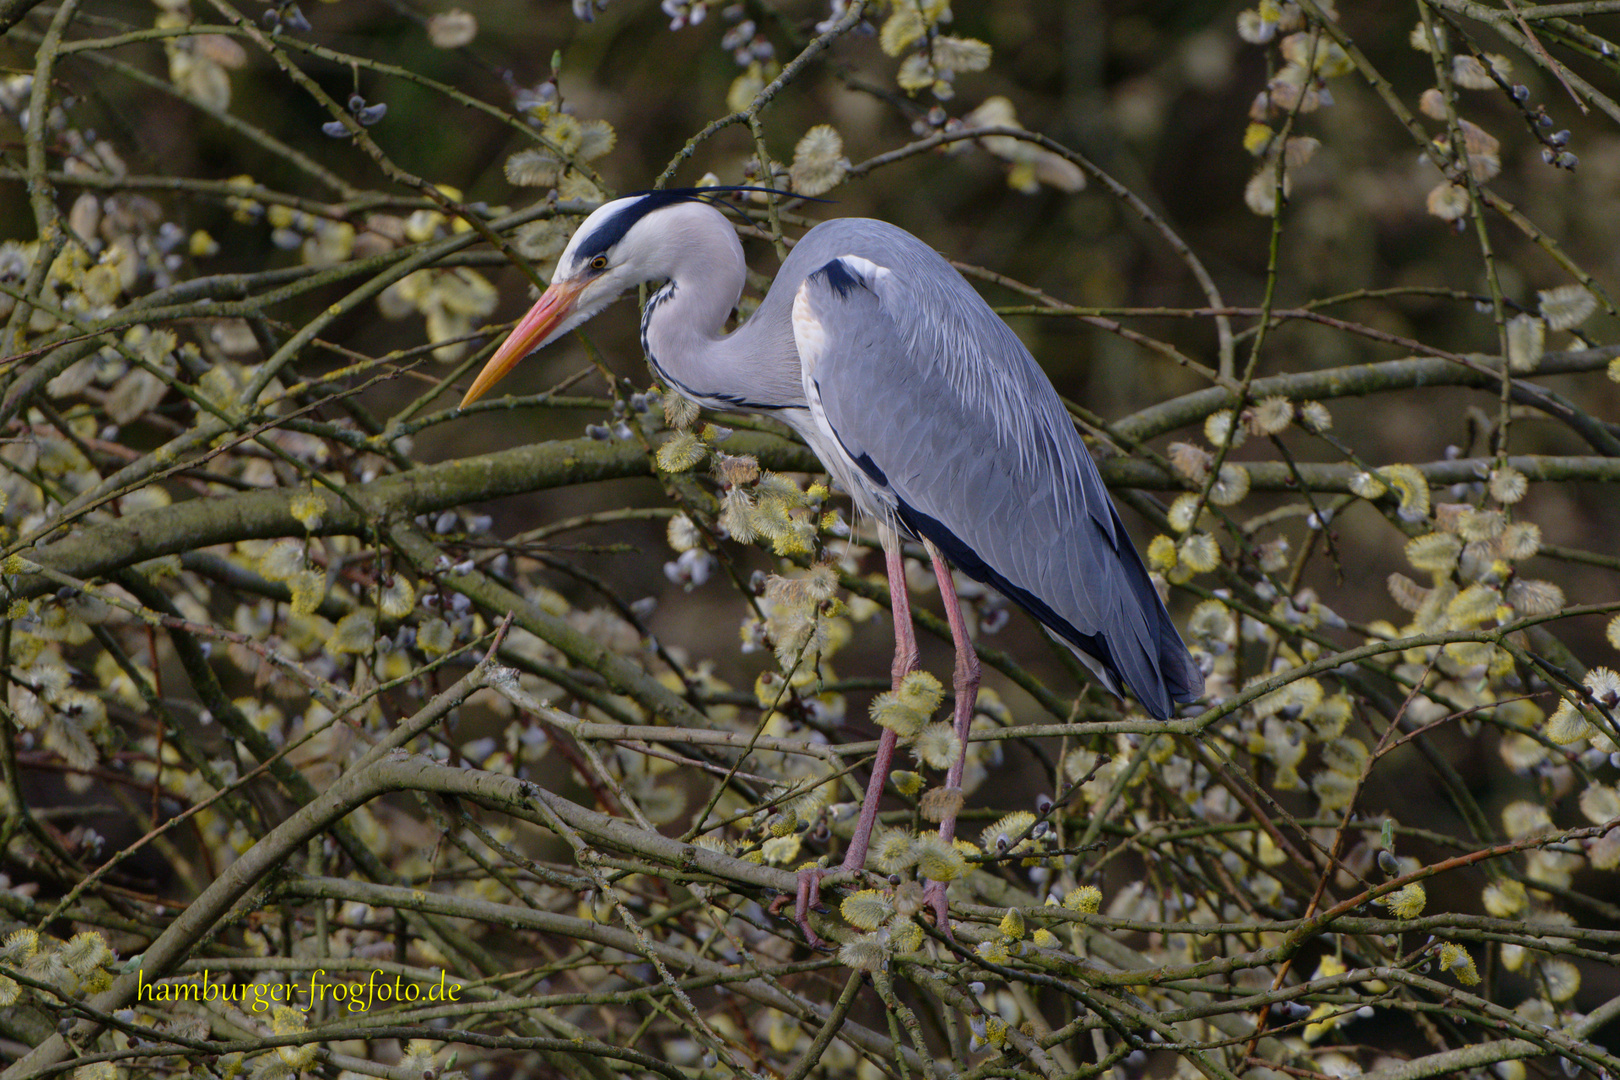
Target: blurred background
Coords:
[[1158, 95]]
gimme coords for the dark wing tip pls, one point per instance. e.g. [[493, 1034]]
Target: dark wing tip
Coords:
[[1179, 680], [1181, 674]]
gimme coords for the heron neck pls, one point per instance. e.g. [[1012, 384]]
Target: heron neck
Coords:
[[754, 368]]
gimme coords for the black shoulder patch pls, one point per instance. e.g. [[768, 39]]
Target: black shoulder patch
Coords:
[[838, 275]]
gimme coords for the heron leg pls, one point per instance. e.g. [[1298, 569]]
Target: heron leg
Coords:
[[905, 662], [966, 685]]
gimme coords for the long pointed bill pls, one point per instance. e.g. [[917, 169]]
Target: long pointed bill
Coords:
[[554, 305]]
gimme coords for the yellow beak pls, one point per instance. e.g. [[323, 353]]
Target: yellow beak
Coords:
[[554, 305]]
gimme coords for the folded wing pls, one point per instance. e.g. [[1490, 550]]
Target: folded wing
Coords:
[[961, 440]]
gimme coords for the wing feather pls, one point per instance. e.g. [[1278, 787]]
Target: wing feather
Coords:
[[956, 433]]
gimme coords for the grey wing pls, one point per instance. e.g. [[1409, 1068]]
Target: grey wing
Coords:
[[946, 415]]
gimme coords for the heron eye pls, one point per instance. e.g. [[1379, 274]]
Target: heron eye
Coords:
[[599, 263]]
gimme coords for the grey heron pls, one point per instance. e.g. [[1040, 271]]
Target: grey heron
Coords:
[[921, 403]]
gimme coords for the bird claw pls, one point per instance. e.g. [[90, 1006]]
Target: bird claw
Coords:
[[806, 897], [934, 897]]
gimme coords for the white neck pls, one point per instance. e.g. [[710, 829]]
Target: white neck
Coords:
[[683, 329]]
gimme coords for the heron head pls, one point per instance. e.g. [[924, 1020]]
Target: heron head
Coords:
[[622, 243]]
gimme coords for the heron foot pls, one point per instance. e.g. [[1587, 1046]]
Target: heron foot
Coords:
[[934, 897], [805, 897]]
